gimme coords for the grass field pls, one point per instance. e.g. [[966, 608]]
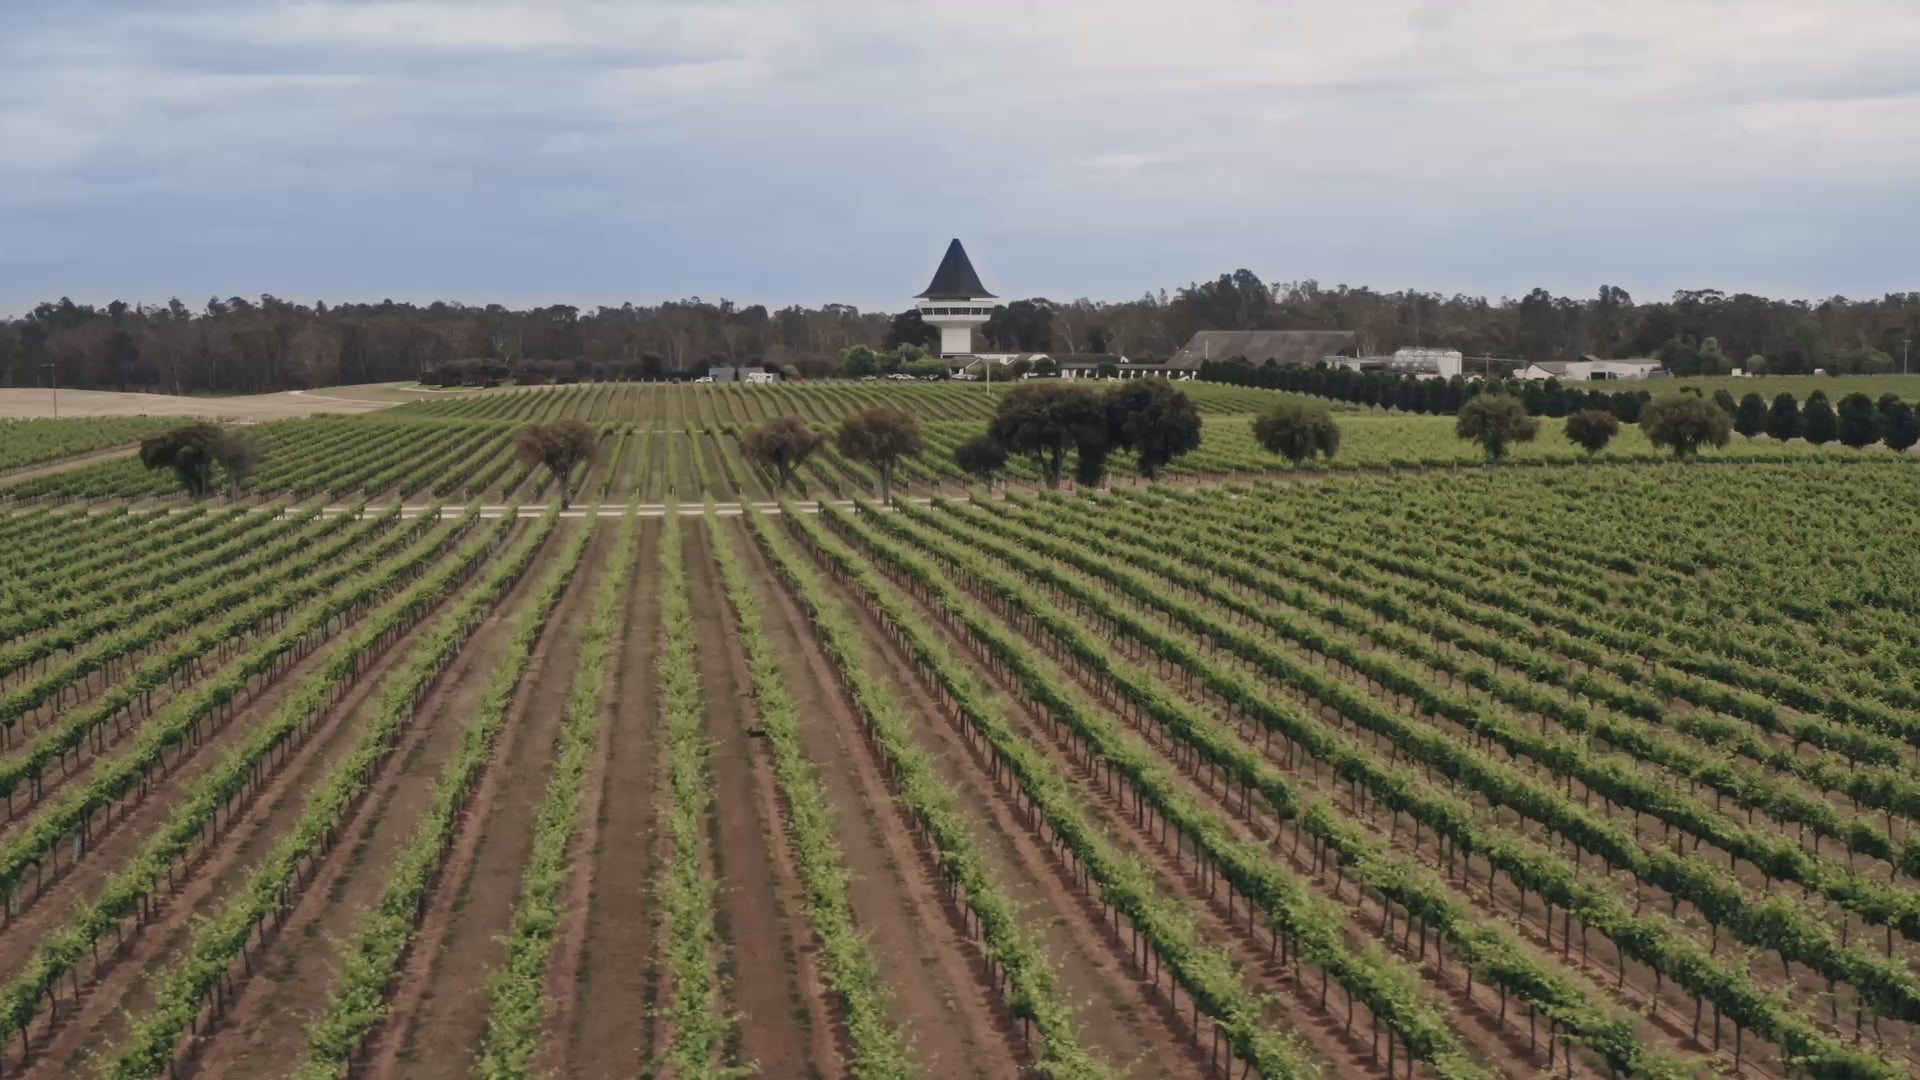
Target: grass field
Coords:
[[1390, 768]]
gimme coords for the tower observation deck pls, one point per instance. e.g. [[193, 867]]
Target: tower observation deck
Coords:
[[955, 302]]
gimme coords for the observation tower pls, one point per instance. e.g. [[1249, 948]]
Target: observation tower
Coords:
[[955, 302]]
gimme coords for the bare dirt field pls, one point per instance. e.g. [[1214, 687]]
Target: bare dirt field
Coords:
[[36, 403]]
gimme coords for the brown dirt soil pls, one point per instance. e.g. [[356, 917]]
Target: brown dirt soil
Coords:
[[125, 986], [600, 468], [718, 486], [941, 997], [606, 1014], [267, 1027], [784, 1024], [686, 475], [628, 478], [606, 466], [563, 970], [81, 403], [441, 1003], [533, 487], [117, 838], [1093, 968]]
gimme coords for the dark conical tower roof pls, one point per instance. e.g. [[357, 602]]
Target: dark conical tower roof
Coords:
[[955, 280]]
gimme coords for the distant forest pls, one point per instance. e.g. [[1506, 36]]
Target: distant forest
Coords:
[[248, 346]]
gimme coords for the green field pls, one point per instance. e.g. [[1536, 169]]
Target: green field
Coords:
[[1907, 387]]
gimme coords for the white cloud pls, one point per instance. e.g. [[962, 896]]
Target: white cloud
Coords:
[[1205, 129]]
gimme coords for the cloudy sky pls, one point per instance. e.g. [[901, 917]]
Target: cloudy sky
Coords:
[[825, 150]]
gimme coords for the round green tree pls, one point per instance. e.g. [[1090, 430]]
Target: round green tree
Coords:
[[1155, 420], [1818, 424], [1592, 429], [981, 458], [879, 438], [1684, 423], [1859, 421], [1495, 421], [1297, 429], [781, 446], [1783, 418], [1902, 426], [194, 450], [1046, 421], [560, 446], [1750, 418]]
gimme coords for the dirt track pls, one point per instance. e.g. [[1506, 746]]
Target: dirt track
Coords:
[[83, 403]]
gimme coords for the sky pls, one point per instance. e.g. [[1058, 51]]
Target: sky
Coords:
[[814, 151]]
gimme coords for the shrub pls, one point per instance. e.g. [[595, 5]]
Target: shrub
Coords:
[[1297, 430], [1685, 423], [1495, 421], [1592, 430]]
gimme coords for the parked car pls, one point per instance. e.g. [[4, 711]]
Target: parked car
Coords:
[[704, 378]]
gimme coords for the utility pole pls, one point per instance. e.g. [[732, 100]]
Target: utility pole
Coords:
[[1905, 346], [53, 376]]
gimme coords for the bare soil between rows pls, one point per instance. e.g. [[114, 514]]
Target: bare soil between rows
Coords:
[[268, 1026], [441, 1002]]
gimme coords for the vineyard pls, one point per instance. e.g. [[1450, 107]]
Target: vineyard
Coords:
[[1484, 773], [673, 441], [719, 405], [377, 763], [35, 442]]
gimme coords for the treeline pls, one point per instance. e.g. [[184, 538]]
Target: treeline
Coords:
[[237, 345], [240, 346], [1858, 420], [1433, 397]]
